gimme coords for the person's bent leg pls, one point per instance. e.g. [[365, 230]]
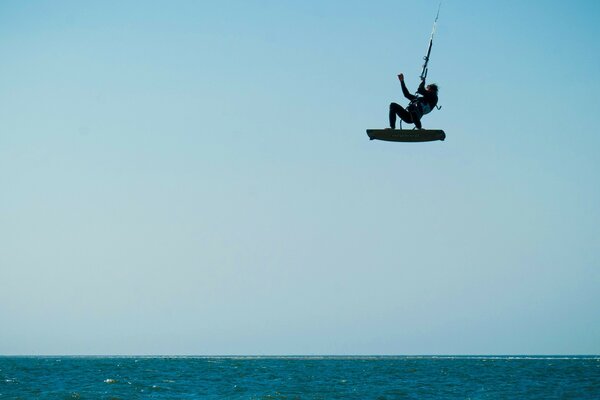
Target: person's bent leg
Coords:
[[418, 123], [393, 107], [397, 109]]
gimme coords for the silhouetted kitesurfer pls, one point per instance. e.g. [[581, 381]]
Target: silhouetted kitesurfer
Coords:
[[419, 105]]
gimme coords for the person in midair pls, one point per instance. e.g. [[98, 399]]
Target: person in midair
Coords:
[[419, 105]]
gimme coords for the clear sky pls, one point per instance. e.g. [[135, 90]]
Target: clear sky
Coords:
[[194, 177]]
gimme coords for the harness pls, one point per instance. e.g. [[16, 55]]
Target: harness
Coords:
[[418, 107]]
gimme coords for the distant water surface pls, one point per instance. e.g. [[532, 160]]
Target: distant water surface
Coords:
[[300, 378]]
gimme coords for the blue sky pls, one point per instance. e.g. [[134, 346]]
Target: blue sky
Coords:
[[194, 177]]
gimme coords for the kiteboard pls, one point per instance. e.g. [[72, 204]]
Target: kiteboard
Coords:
[[406, 135]]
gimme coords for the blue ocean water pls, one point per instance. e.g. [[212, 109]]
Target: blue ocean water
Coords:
[[300, 378]]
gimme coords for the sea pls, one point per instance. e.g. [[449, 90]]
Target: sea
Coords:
[[380, 378]]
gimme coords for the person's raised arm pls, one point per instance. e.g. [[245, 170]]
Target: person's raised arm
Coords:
[[405, 91]]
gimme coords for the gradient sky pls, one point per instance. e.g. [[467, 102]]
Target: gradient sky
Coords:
[[194, 177]]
